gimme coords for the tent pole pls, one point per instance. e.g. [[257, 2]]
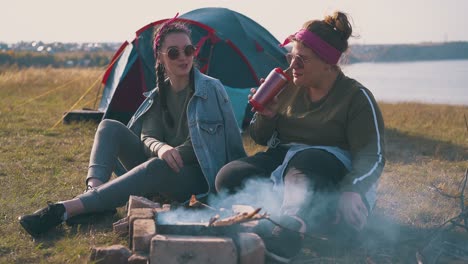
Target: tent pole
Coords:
[[97, 96]]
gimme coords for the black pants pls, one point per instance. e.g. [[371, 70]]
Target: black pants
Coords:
[[311, 179]]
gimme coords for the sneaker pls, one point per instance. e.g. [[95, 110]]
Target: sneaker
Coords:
[[283, 242], [43, 220]]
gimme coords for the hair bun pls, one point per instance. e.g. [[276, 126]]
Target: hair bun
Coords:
[[340, 23]]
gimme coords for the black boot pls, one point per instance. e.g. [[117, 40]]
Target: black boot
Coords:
[[42, 220]]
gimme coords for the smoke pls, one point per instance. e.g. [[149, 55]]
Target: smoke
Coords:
[[185, 216], [300, 193], [257, 192]]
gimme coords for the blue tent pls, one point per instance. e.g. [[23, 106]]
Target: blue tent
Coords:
[[232, 48]]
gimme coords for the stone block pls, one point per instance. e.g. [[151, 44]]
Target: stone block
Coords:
[[135, 214], [140, 202], [121, 227], [115, 254], [138, 259], [161, 210], [143, 232], [251, 249], [141, 213], [175, 249]]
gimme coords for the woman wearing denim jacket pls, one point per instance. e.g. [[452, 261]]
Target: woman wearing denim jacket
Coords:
[[188, 132]]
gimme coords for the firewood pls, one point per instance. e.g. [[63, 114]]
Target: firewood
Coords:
[[213, 219], [193, 202], [253, 213], [239, 218]]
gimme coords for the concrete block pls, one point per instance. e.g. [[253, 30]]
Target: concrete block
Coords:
[[138, 259], [251, 249], [161, 210], [142, 213], [121, 227], [168, 249], [140, 202], [135, 214], [115, 254], [143, 232]]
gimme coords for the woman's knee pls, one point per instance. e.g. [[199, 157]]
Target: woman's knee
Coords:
[[156, 166], [233, 175], [230, 176], [110, 124], [223, 178], [109, 127], [317, 161]]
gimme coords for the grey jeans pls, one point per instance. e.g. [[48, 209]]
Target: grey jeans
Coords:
[[145, 176]]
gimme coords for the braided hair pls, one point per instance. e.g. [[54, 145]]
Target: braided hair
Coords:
[[159, 38]]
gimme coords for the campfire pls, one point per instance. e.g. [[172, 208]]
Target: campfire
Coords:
[[237, 218], [202, 219], [193, 233]]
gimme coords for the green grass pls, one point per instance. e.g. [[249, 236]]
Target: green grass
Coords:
[[427, 145]]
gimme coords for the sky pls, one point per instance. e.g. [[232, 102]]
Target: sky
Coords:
[[374, 21]]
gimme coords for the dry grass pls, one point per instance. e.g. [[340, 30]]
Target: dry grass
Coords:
[[427, 145]]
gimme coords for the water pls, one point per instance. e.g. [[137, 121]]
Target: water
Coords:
[[437, 82]]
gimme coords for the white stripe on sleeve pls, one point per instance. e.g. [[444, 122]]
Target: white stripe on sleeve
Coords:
[[379, 147]]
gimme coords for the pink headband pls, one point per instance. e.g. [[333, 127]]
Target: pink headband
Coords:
[[324, 50], [158, 36]]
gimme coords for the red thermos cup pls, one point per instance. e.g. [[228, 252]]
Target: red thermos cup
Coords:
[[273, 84]]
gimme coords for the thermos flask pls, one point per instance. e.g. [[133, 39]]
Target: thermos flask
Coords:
[[273, 84]]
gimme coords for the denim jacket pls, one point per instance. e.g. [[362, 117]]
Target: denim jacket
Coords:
[[215, 136]]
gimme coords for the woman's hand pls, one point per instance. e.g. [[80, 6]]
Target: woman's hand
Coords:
[[352, 210], [270, 109], [171, 156]]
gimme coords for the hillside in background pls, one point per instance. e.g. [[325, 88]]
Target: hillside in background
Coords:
[[408, 52], [56, 54]]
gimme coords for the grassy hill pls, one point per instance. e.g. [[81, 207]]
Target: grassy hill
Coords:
[[408, 52], [80, 55], [42, 160]]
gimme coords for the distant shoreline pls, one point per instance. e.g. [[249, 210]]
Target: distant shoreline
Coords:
[[356, 53], [407, 52], [399, 61]]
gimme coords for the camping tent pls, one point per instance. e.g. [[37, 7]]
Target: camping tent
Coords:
[[231, 47]]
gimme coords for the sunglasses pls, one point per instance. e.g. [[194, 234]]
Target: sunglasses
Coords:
[[298, 59], [174, 53]]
